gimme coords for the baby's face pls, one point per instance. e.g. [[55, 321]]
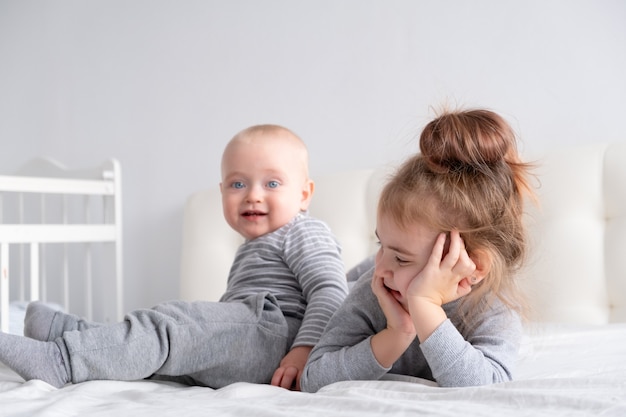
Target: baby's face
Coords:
[[264, 185]]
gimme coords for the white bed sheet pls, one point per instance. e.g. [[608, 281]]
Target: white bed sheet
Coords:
[[562, 371]]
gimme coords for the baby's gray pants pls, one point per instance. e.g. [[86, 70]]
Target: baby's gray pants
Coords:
[[204, 343]]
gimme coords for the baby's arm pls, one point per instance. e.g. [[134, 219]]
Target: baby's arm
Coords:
[[314, 257]]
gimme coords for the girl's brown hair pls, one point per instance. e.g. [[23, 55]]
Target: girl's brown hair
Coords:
[[469, 177]]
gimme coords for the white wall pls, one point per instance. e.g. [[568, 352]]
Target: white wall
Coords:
[[162, 85]]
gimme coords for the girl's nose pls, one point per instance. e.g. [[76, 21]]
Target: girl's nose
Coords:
[[380, 268]]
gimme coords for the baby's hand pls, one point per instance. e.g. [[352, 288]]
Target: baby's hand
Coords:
[[290, 370], [445, 277]]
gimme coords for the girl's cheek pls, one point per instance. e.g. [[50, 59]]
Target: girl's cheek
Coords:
[[410, 279], [404, 284]]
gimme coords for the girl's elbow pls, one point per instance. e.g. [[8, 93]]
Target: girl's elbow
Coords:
[[308, 384]]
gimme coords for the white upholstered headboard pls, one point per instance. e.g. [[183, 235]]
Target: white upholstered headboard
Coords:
[[577, 270]]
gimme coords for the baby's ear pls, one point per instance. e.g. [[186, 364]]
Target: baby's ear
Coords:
[[307, 194], [482, 259]]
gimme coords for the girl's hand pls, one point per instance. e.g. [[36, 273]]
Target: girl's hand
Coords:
[[443, 279], [398, 318], [447, 277], [390, 343]]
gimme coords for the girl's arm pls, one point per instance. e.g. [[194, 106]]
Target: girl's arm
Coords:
[[479, 356], [445, 278], [484, 354], [389, 344], [344, 351], [442, 279]]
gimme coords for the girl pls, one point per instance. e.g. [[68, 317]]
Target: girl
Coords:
[[441, 302]]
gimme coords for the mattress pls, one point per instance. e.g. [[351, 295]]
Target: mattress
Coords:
[[562, 371]]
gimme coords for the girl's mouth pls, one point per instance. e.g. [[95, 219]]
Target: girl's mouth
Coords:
[[394, 293]]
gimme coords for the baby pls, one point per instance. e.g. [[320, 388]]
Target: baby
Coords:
[[286, 281]]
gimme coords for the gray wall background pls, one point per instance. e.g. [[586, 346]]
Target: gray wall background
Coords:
[[162, 85]]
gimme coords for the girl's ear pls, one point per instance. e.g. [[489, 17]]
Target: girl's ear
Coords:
[[307, 194], [482, 260]]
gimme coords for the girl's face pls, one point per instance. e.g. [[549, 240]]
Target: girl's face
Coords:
[[403, 253]]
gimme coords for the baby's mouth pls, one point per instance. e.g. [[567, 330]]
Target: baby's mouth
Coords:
[[253, 213]]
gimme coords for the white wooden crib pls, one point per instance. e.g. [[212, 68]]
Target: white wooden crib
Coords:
[[60, 230]]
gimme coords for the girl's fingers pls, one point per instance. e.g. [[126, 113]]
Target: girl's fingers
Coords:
[[379, 290], [376, 283], [437, 253], [456, 247], [457, 259], [465, 264]]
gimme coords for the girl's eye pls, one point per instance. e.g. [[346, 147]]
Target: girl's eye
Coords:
[[401, 261], [237, 185], [273, 184]]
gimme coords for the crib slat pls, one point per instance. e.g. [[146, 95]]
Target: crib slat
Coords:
[[66, 279], [57, 233], [88, 283], [4, 287], [88, 275], [56, 185], [21, 279], [34, 271]]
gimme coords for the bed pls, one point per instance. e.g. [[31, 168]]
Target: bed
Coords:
[[572, 361]]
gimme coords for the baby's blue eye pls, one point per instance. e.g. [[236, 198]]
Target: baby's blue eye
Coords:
[[237, 185], [273, 184]]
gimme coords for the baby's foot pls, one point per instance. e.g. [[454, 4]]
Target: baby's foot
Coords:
[[38, 322], [33, 359]]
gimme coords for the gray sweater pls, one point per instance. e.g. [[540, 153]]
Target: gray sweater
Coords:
[[483, 354]]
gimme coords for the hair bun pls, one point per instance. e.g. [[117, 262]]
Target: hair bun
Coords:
[[473, 139]]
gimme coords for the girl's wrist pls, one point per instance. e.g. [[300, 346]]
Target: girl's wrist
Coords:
[[389, 344], [402, 336], [427, 315]]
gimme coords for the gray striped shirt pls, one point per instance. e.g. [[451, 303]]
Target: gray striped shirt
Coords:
[[301, 265]]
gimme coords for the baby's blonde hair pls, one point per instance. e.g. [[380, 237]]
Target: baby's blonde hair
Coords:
[[275, 132], [469, 177]]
